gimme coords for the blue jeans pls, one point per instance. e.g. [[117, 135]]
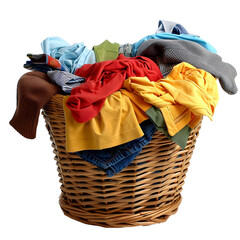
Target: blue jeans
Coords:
[[113, 160]]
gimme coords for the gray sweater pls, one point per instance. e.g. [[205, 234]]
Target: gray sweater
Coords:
[[176, 51]]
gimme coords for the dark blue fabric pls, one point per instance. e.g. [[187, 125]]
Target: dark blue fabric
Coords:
[[38, 67], [113, 160]]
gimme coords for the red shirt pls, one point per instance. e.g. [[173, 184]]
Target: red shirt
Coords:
[[103, 79]]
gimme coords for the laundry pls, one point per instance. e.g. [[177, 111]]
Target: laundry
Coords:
[[108, 128], [106, 51], [66, 80], [184, 93], [38, 67], [116, 96], [125, 49], [165, 68], [43, 59], [170, 27], [70, 57], [170, 36], [113, 160], [103, 79], [155, 115], [34, 90], [176, 51], [180, 138]]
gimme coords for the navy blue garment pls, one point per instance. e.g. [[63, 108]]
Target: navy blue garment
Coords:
[[38, 67], [115, 159]]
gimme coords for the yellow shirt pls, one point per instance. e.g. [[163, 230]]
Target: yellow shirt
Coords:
[[117, 123], [185, 95]]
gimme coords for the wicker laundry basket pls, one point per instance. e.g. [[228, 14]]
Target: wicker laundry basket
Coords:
[[144, 193]]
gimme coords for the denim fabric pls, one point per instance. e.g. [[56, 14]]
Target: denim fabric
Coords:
[[113, 160]]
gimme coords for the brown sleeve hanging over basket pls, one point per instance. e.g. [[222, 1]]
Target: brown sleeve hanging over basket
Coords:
[[144, 193]]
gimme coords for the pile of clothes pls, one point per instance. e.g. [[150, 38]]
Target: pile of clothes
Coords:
[[116, 96]]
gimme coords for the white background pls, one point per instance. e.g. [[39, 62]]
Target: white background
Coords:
[[29, 187]]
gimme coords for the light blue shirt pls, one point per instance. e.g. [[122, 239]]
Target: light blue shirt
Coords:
[[71, 57]]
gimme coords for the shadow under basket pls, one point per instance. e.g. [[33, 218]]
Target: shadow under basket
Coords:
[[144, 193]]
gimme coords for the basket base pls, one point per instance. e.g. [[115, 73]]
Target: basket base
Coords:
[[117, 219]]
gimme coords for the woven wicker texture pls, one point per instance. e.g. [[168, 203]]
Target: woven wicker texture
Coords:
[[144, 193]]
